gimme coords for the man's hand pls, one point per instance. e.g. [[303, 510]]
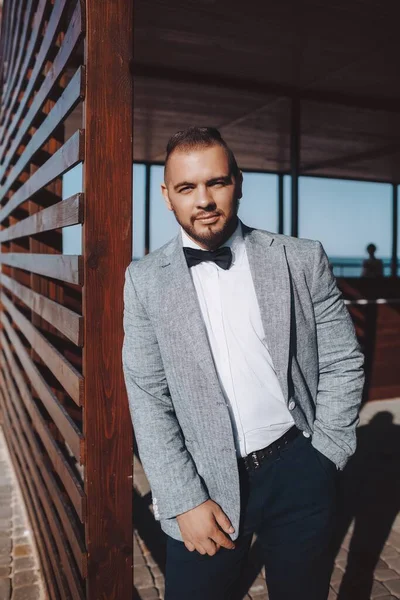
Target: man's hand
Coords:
[[203, 528]]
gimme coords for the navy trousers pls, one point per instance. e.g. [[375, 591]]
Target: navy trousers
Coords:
[[289, 503]]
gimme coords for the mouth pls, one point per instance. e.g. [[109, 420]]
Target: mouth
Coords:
[[208, 219]]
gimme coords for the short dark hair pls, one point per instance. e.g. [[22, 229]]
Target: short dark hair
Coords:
[[193, 138]]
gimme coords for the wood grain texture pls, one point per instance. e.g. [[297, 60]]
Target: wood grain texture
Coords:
[[31, 496], [8, 119], [45, 546], [49, 37], [62, 318], [63, 159], [70, 97], [58, 414], [60, 464], [63, 214], [34, 474], [68, 519], [63, 267], [70, 42], [67, 375], [107, 245]]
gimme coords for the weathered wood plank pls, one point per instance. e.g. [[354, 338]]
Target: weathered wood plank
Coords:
[[61, 466], [31, 495], [70, 42], [37, 25], [64, 159], [67, 375], [70, 97], [65, 513], [22, 48], [65, 320], [63, 267], [52, 29], [35, 476], [63, 214], [45, 547]]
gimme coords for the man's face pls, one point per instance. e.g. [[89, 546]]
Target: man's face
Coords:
[[203, 195]]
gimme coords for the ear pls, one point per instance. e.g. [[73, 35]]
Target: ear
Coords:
[[164, 191]]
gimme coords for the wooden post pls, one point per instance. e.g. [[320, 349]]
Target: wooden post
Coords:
[[107, 250]]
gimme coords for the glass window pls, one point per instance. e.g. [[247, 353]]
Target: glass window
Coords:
[[346, 216], [163, 225], [138, 210], [259, 205], [72, 183]]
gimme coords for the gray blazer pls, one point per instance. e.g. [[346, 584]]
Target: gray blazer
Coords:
[[180, 417]]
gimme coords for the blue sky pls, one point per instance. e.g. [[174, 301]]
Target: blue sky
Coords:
[[344, 215]]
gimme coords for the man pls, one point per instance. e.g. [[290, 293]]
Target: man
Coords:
[[244, 380]]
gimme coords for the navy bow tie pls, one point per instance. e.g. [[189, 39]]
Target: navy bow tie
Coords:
[[222, 256]]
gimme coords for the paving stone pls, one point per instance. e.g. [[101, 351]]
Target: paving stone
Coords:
[[378, 590], [28, 592], [393, 563], [5, 589], [149, 594], [142, 578], [394, 539], [385, 574], [337, 575], [389, 552], [25, 578], [393, 587], [22, 539], [342, 555], [5, 571], [5, 559], [5, 512], [24, 563], [257, 587], [5, 545], [22, 550]]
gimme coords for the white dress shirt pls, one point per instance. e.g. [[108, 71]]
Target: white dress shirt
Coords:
[[242, 359]]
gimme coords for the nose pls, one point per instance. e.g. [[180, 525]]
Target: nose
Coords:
[[204, 197]]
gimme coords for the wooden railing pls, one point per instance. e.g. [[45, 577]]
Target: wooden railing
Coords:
[[66, 98], [374, 305]]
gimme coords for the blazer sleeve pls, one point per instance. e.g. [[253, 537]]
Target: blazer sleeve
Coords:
[[341, 375], [174, 481]]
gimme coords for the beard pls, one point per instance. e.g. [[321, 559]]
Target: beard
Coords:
[[208, 237]]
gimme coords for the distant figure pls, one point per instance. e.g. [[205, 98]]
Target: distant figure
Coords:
[[372, 266]]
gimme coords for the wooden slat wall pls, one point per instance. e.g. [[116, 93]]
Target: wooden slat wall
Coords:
[[62, 395]]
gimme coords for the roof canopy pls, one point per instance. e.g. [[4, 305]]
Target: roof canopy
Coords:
[[237, 66]]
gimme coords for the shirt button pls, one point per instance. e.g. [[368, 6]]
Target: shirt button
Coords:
[[292, 405], [306, 434]]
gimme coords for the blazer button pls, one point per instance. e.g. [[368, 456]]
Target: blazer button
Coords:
[[292, 405]]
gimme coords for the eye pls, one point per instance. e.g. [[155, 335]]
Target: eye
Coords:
[[185, 190]]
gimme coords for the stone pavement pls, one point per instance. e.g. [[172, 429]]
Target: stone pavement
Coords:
[[367, 540], [20, 576]]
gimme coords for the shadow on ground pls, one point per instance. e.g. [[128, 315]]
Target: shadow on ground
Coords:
[[369, 500]]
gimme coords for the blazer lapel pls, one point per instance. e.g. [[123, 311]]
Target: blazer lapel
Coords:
[[183, 308], [270, 273]]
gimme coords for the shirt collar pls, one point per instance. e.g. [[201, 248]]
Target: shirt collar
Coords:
[[235, 242]]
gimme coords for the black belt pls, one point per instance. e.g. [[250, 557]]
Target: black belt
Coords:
[[255, 459]]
